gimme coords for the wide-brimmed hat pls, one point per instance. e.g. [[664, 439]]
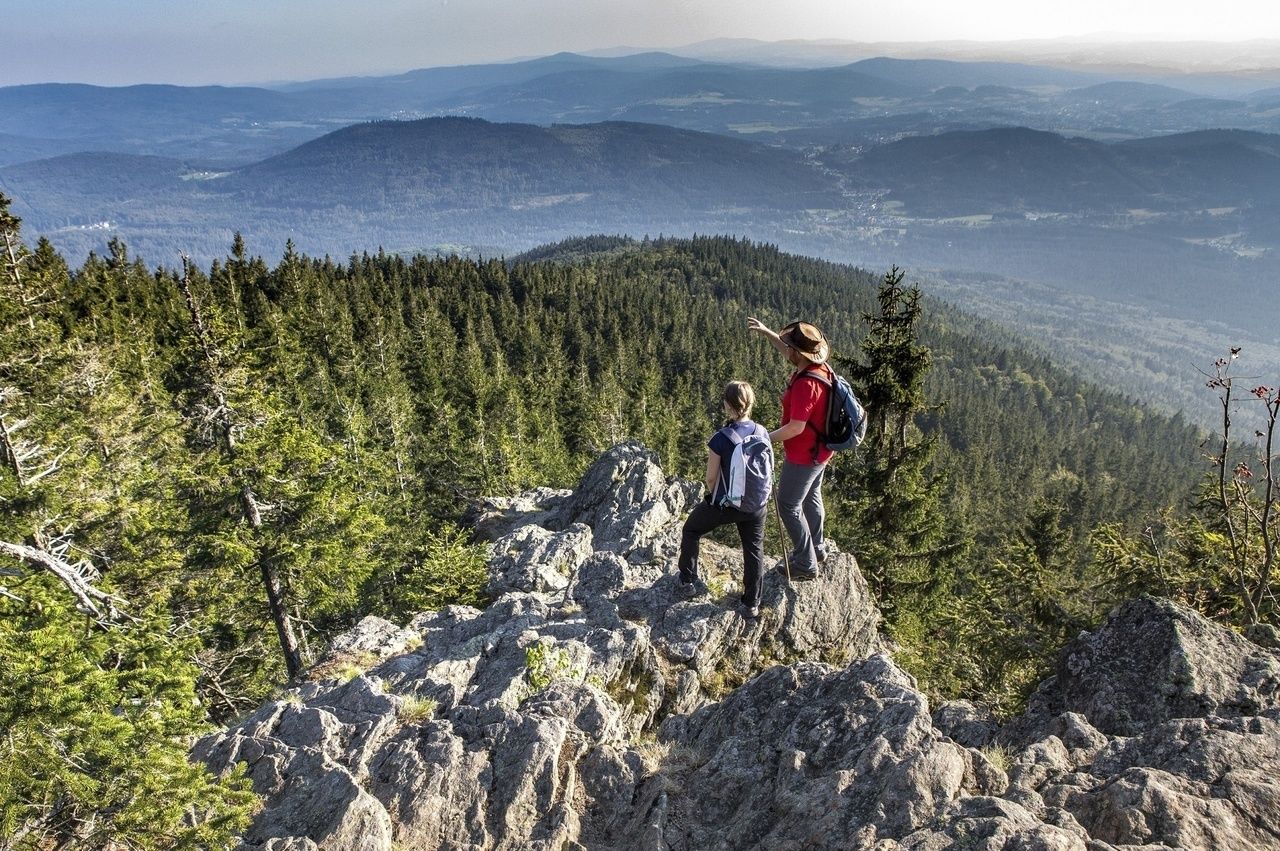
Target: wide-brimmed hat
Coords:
[[807, 340]]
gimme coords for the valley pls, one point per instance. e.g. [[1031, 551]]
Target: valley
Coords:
[[1175, 232]]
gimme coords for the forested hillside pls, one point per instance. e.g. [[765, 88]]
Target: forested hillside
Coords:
[[228, 465]]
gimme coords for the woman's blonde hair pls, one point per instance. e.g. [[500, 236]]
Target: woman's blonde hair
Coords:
[[738, 399]]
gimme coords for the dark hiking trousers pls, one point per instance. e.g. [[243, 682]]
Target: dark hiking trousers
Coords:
[[706, 517]]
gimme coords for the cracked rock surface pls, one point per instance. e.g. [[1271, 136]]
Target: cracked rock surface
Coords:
[[592, 705]]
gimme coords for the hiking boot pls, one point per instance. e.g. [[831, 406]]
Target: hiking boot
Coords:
[[749, 612], [689, 590], [797, 574]]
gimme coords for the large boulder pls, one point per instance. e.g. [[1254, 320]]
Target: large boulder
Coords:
[[810, 756], [1158, 729], [629, 503], [1190, 783], [1151, 661]]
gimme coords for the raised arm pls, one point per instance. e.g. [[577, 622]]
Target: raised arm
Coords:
[[759, 327]]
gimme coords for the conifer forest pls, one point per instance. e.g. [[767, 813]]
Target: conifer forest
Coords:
[[206, 472]]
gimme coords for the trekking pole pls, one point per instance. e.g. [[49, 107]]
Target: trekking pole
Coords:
[[786, 557]]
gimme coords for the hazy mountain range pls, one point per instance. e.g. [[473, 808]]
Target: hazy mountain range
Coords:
[[871, 100], [1126, 191], [1227, 68]]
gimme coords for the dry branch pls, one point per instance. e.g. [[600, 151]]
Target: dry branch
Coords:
[[90, 600]]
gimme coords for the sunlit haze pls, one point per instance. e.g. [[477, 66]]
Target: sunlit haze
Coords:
[[243, 41]]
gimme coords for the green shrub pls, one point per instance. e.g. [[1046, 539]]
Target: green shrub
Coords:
[[543, 664], [449, 570]]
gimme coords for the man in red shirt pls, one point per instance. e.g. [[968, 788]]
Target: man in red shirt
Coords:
[[804, 413]]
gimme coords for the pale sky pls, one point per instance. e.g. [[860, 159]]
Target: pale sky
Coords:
[[116, 42]]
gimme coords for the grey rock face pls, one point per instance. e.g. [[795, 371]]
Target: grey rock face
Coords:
[[534, 559], [810, 756], [509, 727], [592, 706], [373, 637], [966, 723], [625, 499], [1152, 661], [629, 503], [497, 516], [1190, 783]]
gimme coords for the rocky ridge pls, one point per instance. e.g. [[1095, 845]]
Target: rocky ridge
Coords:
[[593, 706]]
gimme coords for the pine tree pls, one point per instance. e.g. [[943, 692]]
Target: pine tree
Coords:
[[900, 528]]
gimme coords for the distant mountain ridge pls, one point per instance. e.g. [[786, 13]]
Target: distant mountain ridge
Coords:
[[470, 162], [929, 73], [871, 100], [1016, 169], [448, 78], [621, 175], [1138, 93], [1214, 65], [1184, 226], [415, 184]]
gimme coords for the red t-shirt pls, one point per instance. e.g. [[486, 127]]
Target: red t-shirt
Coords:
[[806, 399]]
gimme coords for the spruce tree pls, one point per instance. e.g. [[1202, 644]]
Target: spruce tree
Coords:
[[97, 687], [907, 550], [280, 501], [899, 526]]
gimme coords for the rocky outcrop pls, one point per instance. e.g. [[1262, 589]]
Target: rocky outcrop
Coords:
[[593, 706], [508, 727], [1152, 661], [1159, 729]]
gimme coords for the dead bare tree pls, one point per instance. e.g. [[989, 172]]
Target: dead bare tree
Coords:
[[78, 578], [29, 460], [1264, 515], [1250, 520], [14, 250]]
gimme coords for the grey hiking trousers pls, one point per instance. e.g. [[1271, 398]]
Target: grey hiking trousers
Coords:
[[800, 502]]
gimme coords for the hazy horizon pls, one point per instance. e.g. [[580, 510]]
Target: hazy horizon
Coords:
[[239, 42]]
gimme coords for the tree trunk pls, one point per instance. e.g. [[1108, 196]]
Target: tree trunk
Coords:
[[9, 453], [284, 624], [271, 584]]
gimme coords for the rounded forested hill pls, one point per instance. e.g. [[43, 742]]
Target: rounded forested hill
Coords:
[[468, 162], [1016, 169]]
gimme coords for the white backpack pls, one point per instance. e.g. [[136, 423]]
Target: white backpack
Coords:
[[749, 478]]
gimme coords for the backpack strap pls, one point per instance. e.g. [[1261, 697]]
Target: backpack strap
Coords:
[[808, 372], [825, 381]]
